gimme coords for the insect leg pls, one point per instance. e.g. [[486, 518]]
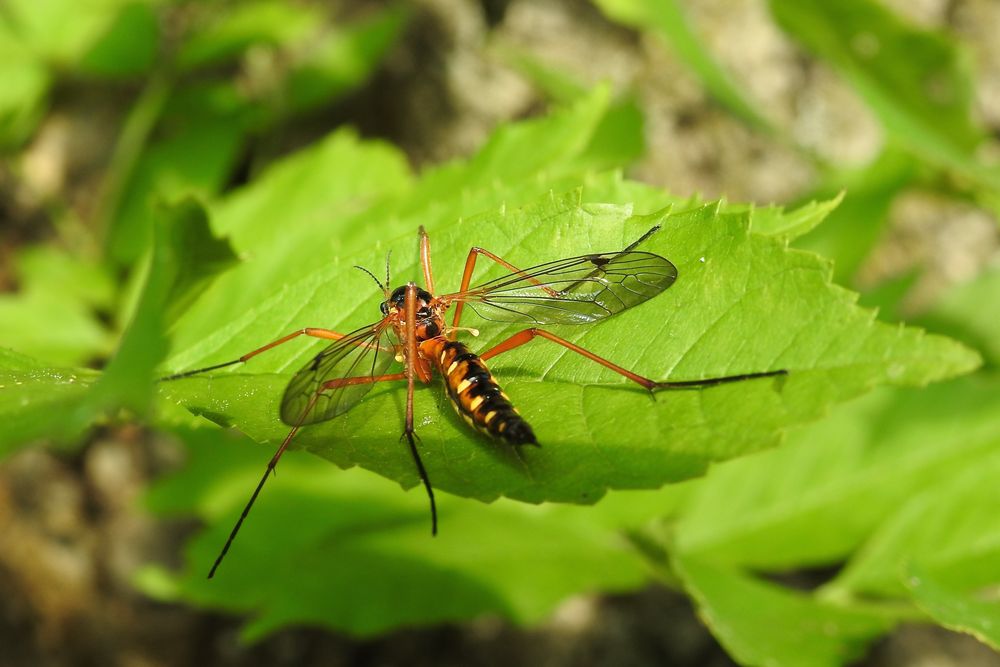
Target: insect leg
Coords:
[[411, 373], [260, 485], [308, 331], [425, 259], [346, 382], [527, 335], [332, 384], [470, 265]]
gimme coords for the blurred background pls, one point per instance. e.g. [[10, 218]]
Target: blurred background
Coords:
[[109, 104]]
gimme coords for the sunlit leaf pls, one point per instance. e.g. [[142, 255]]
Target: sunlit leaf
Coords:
[[37, 401], [817, 499], [950, 531], [54, 315], [762, 624], [977, 615], [743, 303], [185, 255], [25, 87], [362, 559]]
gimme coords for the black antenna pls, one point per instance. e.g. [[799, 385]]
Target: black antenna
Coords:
[[387, 256], [380, 285], [642, 238]]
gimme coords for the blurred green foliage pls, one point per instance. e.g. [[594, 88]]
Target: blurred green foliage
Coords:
[[896, 485]]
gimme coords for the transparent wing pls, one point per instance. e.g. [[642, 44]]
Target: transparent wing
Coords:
[[576, 290], [363, 353]]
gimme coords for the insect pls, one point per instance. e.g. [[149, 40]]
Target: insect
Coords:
[[413, 331]]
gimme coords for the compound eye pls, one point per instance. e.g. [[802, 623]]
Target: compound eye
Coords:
[[384, 308]]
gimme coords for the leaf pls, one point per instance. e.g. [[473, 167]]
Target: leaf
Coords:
[[343, 194], [203, 127], [185, 255], [774, 221], [950, 531], [62, 31], [915, 81], [851, 230], [54, 315], [41, 401], [25, 87], [667, 18], [597, 432], [280, 225], [342, 58], [360, 557], [37, 401], [817, 499], [130, 45], [619, 138], [762, 624], [956, 610], [552, 82], [197, 257], [888, 298], [192, 155], [971, 313], [225, 32]]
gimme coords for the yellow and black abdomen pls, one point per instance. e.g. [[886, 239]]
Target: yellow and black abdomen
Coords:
[[475, 394]]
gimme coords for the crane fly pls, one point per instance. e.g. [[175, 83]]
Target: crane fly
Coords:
[[413, 331]]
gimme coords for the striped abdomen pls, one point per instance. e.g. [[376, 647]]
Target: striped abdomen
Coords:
[[474, 393]]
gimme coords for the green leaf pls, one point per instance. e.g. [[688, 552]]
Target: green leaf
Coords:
[[197, 257], [48, 268], [37, 401], [25, 87], [888, 299], [618, 140], [342, 196], [339, 60], [226, 31], [667, 19], [955, 609], [760, 623], [820, 497], [950, 531], [971, 313], [916, 82], [54, 315], [774, 221], [63, 31], [130, 45], [852, 229], [542, 149], [192, 155], [202, 127], [361, 558], [554, 83], [185, 255], [743, 303], [336, 177]]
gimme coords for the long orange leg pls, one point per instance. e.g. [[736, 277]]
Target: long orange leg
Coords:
[[522, 337], [308, 331], [470, 265], [411, 374], [332, 384], [425, 259]]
